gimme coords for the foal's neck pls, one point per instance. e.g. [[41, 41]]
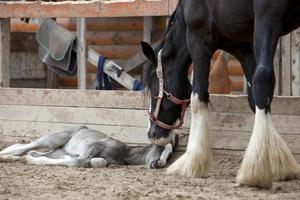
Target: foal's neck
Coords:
[[137, 155]]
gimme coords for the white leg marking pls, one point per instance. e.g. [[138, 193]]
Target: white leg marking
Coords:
[[9, 158], [14, 150], [98, 162], [43, 160], [165, 154], [197, 159], [149, 123], [267, 155]]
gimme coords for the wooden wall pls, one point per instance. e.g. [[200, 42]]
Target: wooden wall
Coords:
[[29, 113], [115, 38], [287, 65]]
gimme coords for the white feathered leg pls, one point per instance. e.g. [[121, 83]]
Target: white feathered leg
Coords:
[[267, 156], [197, 159]]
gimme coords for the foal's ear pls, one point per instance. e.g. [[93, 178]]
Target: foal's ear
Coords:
[[149, 52]]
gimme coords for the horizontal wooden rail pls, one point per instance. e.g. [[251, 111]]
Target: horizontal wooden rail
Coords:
[[94, 8]]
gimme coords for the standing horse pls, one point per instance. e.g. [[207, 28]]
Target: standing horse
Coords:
[[249, 30]]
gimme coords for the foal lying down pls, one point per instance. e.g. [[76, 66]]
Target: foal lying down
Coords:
[[83, 147]]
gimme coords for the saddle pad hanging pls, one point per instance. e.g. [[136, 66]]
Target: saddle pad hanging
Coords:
[[57, 47]]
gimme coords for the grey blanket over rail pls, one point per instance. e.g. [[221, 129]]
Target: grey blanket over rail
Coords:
[[57, 47]]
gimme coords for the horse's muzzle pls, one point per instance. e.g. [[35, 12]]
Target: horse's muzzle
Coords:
[[159, 136]]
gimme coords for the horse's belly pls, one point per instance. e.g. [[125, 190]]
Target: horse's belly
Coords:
[[233, 19]]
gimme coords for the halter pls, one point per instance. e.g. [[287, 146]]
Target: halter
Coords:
[[184, 103]]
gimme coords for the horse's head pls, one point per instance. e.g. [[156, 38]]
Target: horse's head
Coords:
[[165, 76]]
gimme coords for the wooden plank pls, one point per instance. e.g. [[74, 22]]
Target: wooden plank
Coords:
[[10, 131], [113, 70], [286, 64], [103, 116], [239, 104], [81, 53], [286, 124], [114, 37], [130, 99], [237, 140], [23, 42], [116, 51], [172, 6], [147, 30], [4, 52], [295, 62], [73, 98], [117, 8], [138, 59], [277, 70], [28, 83], [26, 65], [52, 79]]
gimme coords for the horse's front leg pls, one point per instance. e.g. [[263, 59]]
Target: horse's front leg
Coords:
[[267, 157], [197, 159]]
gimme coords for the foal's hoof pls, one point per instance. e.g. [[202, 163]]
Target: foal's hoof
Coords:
[[156, 164]]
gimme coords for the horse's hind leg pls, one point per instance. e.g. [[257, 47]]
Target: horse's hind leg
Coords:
[[51, 141], [267, 156], [244, 53]]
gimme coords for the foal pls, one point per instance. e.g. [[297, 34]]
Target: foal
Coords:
[[83, 147]]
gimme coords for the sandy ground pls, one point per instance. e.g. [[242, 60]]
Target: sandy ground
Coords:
[[20, 181]]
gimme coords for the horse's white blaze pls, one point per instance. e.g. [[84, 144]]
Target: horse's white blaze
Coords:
[[197, 159], [267, 156]]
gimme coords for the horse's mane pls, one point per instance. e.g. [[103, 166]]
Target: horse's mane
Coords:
[[149, 73]]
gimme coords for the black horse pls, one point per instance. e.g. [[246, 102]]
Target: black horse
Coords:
[[249, 30]]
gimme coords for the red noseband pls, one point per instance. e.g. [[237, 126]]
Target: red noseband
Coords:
[[184, 104]]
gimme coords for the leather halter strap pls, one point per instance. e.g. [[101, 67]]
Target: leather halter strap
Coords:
[[184, 103]]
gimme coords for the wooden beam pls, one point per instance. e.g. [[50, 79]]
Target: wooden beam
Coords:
[[130, 99], [52, 79], [286, 65], [95, 8], [277, 69], [113, 70], [295, 62], [147, 30], [72, 98], [138, 59], [4, 52], [81, 53], [172, 6]]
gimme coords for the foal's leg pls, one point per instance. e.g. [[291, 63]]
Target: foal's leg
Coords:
[[51, 141], [197, 159], [64, 161], [267, 156]]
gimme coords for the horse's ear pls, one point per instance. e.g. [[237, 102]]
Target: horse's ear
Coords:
[[149, 52]]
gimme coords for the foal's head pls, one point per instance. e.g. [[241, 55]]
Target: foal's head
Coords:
[[173, 60]]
